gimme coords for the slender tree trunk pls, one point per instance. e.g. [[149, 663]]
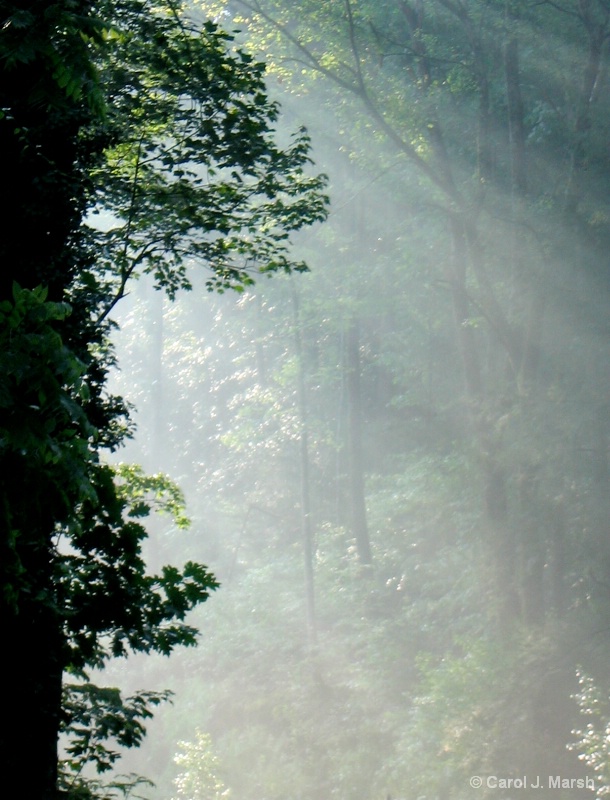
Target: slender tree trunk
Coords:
[[532, 339], [455, 272], [501, 541], [485, 158], [516, 128], [358, 517], [557, 559], [529, 519], [532, 526], [601, 479], [261, 361], [502, 537], [158, 450], [597, 32], [306, 522], [480, 63]]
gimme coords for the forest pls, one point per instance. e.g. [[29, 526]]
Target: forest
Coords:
[[314, 304]]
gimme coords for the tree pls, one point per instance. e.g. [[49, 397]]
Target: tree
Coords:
[[443, 85], [485, 321], [593, 742], [136, 112], [198, 779]]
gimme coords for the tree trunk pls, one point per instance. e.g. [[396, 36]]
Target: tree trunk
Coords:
[[306, 526], [33, 675], [516, 130], [597, 34], [532, 527], [358, 518], [557, 559], [159, 444]]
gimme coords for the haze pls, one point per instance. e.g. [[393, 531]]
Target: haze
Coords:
[[397, 464]]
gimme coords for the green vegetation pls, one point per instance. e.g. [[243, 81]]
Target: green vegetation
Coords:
[[395, 464], [417, 429], [132, 112]]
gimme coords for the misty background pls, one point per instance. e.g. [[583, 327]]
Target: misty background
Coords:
[[396, 464]]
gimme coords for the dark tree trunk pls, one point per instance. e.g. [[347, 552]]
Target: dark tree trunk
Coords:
[[32, 639], [43, 183], [33, 676]]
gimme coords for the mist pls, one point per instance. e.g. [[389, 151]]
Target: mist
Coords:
[[396, 464]]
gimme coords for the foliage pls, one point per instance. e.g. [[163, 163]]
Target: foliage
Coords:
[[481, 304], [593, 742], [135, 112], [467, 243], [143, 612], [144, 491], [42, 424], [59, 43], [198, 778], [97, 714], [195, 172]]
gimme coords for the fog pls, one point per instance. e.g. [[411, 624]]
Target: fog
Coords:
[[396, 464]]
